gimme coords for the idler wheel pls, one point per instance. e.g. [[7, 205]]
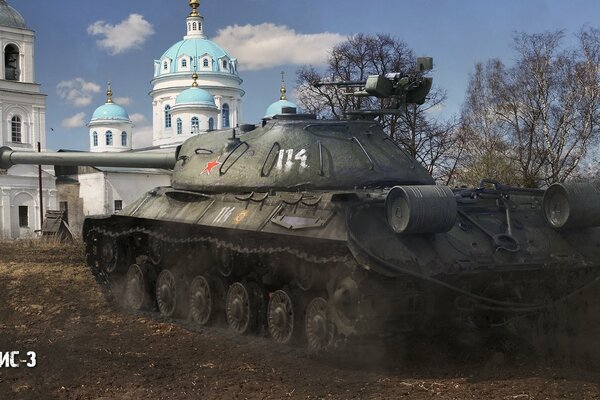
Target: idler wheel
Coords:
[[205, 299], [281, 317], [109, 254], [136, 288], [166, 293], [319, 328], [242, 308]]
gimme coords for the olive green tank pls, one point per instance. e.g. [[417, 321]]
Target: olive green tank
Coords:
[[315, 231]]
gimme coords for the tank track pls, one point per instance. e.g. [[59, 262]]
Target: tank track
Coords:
[[339, 302]]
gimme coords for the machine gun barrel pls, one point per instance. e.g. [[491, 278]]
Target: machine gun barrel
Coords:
[[341, 83], [9, 157]]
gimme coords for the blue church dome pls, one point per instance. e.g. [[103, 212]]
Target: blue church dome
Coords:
[[110, 111], [196, 96], [194, 48], [277, 108]]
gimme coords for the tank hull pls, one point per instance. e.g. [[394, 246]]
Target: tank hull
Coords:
[[336, 246]]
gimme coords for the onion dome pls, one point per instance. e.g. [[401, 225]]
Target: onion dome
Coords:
[[110, 110], [283, 102], [10, 17], [195, 96]]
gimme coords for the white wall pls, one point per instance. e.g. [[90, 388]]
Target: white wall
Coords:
[[19, 187], [100, 190]]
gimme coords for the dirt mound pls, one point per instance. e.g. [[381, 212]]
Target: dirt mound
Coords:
[[86, 349]]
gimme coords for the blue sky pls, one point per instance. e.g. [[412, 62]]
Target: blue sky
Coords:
[[73, 67]]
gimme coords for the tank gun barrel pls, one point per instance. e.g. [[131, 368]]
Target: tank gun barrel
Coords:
[[9, 157]]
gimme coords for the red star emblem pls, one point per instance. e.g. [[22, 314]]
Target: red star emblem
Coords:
[[209, 166]]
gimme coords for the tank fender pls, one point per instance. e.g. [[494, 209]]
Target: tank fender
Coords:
[[421, 209]]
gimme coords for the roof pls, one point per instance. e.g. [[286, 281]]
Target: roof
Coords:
[[277, 108], [196, 48], [11, 17], [110, 111], [195, 96]]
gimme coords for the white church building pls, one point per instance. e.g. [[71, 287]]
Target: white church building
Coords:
[[220, 107], [22, 127]]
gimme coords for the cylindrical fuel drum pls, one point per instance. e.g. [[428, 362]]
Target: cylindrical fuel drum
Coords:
[[572, 205], [420, 209]]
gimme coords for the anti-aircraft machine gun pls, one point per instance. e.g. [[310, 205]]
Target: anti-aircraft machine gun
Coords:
[[316, 231]]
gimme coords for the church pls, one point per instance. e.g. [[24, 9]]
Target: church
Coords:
[[196, 88], [22, 127]]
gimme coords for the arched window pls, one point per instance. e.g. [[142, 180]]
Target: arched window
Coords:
[[15, 129], [225, 115], [205, 62], [183, 62], [11, 63], [189, 26], [123, 139], [165, 65], [211, 124], [167, 116], [194, 26], [224, 63], [199, 26], [109, 138], [195, 125], [179, 126], [95, 139]]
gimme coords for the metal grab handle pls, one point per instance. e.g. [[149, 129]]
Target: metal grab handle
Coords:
[[321, 173], [262, 170], [203, 151], [250, 197], [234, 161], [355, 139]]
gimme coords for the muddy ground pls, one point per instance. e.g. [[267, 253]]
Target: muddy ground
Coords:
[[87, 349]]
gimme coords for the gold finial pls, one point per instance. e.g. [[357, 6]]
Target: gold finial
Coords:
[[195, 78], [109, 93], [283, 90], [194, 4]]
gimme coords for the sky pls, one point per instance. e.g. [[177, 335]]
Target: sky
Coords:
[[81, 45]]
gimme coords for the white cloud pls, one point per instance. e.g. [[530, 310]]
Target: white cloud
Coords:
[[76, 121], [269, 45], [77, 91], [142, 137], [128, 34], [138, 118], [123, 101]]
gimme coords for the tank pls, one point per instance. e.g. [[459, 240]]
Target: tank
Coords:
[[318, 231]]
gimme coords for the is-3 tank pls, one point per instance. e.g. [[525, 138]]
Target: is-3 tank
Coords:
[[313, 230]]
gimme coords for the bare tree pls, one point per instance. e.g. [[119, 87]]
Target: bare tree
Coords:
[[428, 140], [537, 118]]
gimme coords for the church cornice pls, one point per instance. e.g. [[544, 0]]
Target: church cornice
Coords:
[[186, 75], [158, 92]]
